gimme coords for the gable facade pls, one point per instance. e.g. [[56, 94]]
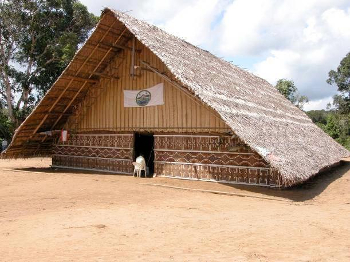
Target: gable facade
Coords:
[[190, 139]]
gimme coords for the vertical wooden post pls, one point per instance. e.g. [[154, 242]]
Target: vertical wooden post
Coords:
[[132, 69]]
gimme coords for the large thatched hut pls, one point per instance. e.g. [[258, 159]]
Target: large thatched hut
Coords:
[[134, 89]]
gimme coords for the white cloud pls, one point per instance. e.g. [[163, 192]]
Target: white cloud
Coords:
[[154, 11], [256, 26], [188, 19], [338, 22], [311, 33], [318, 104], [240, 27], [277, 65], [193, 22], [317, 41]]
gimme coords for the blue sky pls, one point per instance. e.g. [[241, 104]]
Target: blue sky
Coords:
[[301, 40]]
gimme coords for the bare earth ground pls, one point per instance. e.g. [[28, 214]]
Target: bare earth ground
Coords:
[[64, 215]]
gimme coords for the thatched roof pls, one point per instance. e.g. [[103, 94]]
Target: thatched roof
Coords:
[[252, 107]]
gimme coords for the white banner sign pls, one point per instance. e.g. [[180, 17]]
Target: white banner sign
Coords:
[[152, 96]]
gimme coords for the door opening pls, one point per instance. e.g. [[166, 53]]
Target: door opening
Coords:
[[144, 145]]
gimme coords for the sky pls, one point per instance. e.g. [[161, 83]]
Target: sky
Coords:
[[300, 40]]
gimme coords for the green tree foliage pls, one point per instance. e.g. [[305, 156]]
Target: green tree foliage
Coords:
[[341, 78], [332, 127], [334, 124], [338, 127], [338, 120], [319, 116], [37, 40], [288, 89], [6, 126]]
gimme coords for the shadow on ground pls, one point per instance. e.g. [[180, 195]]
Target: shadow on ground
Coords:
[[306, 191], [54, 170]]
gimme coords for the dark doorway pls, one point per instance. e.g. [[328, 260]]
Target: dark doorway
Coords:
[[144, 145]]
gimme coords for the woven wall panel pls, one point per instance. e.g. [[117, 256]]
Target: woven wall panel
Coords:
[[212, 158], [201, 143], [94, 152], [112, 153], [101, 140], [123, 166], [219, 158], [205, 157], [258, 176]]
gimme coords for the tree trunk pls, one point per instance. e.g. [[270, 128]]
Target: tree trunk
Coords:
[[9, 97]]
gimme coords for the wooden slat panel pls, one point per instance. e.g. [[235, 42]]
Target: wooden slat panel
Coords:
[[179, 113]]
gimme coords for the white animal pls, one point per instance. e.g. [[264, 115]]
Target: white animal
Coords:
[[139, 165]]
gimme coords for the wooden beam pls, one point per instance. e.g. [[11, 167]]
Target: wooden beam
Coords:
[[146, 69], [132, 68], [114, 46], [61, 89], [54, 98], [58, 104], [91, 62], [115, 32], [172, 82], [81, 79], [70, 103], [101, 45], [51, 113], [127, 48], [106, 75], [183, 89]]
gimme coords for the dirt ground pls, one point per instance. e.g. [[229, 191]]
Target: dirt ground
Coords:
[[63, 215]]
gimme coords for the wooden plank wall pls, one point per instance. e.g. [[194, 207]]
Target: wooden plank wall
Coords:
[[180, 113]]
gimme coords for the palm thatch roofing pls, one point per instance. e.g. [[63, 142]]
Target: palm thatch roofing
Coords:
[[281, 133]]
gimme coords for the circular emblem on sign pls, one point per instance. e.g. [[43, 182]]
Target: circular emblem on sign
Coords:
[[143, 97]]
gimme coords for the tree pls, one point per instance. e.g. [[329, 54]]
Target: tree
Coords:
[[334, 124], [37, 40], [341, 77], [338, 127], [288, 89], [318, 116], [6, 126]]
